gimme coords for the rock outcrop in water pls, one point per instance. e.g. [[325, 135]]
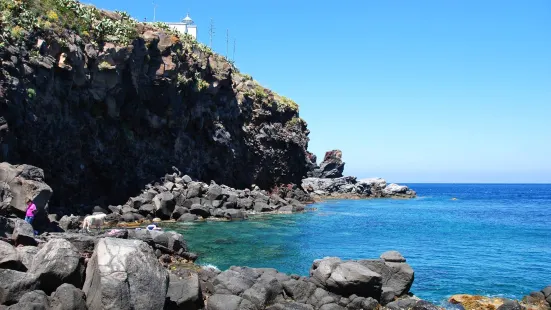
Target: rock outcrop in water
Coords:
[[350, 187], [332, 166], [326, 181], [105, 104]]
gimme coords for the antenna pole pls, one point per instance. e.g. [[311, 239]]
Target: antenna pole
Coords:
[[233, 56], [211, 31], [227, 42], [154, 10]]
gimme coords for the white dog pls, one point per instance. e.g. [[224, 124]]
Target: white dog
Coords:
[[93, 220]]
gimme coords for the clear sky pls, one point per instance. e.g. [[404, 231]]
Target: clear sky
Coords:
[[412, 91]]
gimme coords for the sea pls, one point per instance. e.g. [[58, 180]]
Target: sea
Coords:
[[486, 239]]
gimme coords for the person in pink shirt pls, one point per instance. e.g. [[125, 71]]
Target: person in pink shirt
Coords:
[[31, 211]]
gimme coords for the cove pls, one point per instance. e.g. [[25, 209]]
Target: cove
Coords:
[[493, 239]]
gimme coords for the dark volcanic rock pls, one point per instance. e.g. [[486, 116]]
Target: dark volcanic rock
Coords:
[[396, 277], [68, 297], [14, 284], [19, 183], [184, 292], [9, 258], [228, 302], [69, 222], [26, 255], [347, 278], [82, 242], [332, 165], [199, 210], [108, 118], [35, 300], [23, 233], [124, 274], [290, 305], [406, 303], [57, 262], [188, 217], [350, 187], [425, 305]]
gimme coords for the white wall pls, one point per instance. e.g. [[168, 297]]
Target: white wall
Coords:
[[192, 31], [184, 29]]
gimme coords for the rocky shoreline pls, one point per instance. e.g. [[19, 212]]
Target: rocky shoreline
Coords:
[[105, 110], [129, 267], [177, 197], [141, 269]]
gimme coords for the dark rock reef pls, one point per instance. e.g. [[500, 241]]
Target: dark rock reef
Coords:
[[104, 104], [332, 166], [326, 181]]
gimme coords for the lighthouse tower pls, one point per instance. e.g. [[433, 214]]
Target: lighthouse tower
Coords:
[[185, 26]]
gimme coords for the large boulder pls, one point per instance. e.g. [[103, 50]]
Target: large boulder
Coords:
[[6, 227], [332, 165], [194, 189], [19, 183], [347, 278], [69, 222], [290, 305], [547, 293], [23, 233], [397, 191], [214, 192], [68, 297], [168, 240], [397, 275], [164, 204], [299, 289], [229, 302], [233, 282], [9, 259], [188, 217], [184, 292], [125, 274], [82, 242], [264, 291], [35, 300], [26, 255], [14, 284], [57, 262], [199, 210]]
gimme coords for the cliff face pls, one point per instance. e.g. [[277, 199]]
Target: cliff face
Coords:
[[106, 109]]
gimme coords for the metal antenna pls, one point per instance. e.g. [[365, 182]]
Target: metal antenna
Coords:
[[227, 42], [154, 10], [233, 56], [211, 31]]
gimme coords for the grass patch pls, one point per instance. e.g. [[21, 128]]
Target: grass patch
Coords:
[[31, 93], [201, 85], [31, 15]]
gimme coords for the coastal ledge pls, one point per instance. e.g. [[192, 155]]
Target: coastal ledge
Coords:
[[351, 188], [326, 181]]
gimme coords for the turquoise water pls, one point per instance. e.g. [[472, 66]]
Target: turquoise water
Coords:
[[492, 240]]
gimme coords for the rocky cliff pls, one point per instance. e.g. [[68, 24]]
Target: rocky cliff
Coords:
[[105, 104]]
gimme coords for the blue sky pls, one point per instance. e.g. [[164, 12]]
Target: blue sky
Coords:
[[413, 91]]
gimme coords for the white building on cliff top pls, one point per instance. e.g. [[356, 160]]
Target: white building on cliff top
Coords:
[[185, 26]]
